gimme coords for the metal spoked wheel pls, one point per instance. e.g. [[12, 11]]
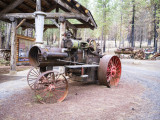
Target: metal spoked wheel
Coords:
[[32, 76], [51, 87], [109, 72]]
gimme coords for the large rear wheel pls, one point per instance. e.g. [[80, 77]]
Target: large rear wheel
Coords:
[[109, 71]]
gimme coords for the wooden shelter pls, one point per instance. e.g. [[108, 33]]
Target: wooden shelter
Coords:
[[31, 14]]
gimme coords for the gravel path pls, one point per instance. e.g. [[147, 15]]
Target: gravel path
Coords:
[[136, 98], [10, 85]]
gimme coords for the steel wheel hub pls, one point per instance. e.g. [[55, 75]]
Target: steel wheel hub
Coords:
[[113, 71], [51, 87]]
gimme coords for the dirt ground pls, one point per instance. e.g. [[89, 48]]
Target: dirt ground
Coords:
[[136, 97], [6, 69]]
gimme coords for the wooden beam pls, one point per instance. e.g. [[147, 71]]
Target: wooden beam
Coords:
[[88, 24], [13, 48], [34, 3], [48, 16], [75, 33], [64, 5], [28, 25], [11, 6], [19, 25], [62, 31], [25, 7], [45, 2], [61, 3], [76, 25], [69, 25]]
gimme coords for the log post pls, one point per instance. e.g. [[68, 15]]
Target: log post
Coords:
[[75, 33], [8, 36], [62, 31], [13, 48], [0, 39]]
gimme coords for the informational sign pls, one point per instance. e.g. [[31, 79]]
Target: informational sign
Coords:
[[23, 46]]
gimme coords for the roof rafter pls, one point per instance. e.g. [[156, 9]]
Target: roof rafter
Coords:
[[11, 6]]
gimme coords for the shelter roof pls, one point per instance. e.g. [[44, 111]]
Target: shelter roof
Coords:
[[29, 6]]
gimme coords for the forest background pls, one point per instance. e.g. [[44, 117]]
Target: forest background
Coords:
[[122, 23]]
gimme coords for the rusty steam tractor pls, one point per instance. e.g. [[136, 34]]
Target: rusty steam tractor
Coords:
[[82, 61]]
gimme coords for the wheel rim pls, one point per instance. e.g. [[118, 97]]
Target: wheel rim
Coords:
[[32, 76], [113, 71], [51, 88]]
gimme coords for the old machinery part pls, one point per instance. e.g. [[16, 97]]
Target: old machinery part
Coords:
[[32, 76], [155, 56], [139, 54], [92, 45], [72, 44], [51, 87], [84, 45], [41, 57], [54, 55], [109, 71]]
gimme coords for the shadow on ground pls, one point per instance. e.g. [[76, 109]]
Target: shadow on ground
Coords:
[[6, 78]]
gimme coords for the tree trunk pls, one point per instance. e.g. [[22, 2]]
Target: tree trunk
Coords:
[[133, 21], [0, 40], [121, 29], [104, 27], [141, 38], [102, 40], [155, 29]]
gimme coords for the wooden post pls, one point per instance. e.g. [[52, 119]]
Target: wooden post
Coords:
[[62, 31], [0, 40], [13, 48], [75, 33], [8, 35]]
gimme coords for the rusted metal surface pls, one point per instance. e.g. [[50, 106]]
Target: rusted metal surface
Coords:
[[109, 71], [55, 55], [51, 87], [37, 59]]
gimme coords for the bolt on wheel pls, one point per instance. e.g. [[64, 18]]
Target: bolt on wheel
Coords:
[[51, 87]]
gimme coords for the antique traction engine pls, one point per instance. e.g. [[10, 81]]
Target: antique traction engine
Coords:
[[81, 60]]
